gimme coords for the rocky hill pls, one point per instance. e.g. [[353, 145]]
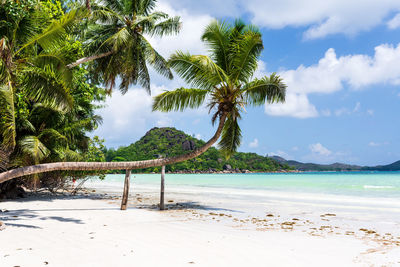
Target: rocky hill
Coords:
[[169, 142]]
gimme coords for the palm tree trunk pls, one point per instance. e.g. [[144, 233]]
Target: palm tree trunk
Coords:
[[125, 195], [87, 59], [89, 8], [162, 188], [95, 166]]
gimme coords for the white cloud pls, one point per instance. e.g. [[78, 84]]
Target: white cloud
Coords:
[[164, 121], [188, 39], [342, 111], [128, 117], [198, 136], [331, 74], [357, 107], [358, 71], [296, 105], [394, 23], [320, 149], [373, 144], [280, 153], [326, 112], [321, 17], [121, 115], [261, 70], [254, 143], [295, 148], [370, 112]]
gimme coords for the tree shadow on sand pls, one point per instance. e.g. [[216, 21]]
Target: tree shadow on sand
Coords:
[[187, 205], [17, 217]]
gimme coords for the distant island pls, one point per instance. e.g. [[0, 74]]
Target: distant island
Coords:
[[168, 141], [335, 166]]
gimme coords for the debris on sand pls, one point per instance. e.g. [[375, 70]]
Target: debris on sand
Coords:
[[2, 226]]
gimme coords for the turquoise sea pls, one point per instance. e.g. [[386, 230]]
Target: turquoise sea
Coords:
[[360, 184]]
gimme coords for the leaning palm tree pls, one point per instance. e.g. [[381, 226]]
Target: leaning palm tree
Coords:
[[224, 80], [116, 41]]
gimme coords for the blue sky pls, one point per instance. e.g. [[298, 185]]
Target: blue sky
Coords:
[[340, 60]]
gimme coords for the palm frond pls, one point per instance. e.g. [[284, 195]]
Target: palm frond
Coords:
[[156, 60], [267, 89], [146, 6], [31, 146], [23, 124], [198, 71], [245, 53], [55, 33], [167, 27], [70, 155], [54, 136], [216, 37], [46, 86], [7, 118], [230, 138], [179, 99]]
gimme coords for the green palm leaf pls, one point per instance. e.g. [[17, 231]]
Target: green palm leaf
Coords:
[[7, 119], [31, 146], [216, 36], [179, 99], [267, 89], [199, 71], [246, 51], [231, 137], [55, 33], [166, 27], [45, 85]]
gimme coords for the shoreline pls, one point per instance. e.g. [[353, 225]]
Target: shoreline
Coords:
[[36, 229], [210, 220], [260, 172]]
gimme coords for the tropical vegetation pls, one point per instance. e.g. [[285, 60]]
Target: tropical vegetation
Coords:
[[109, 36], [51, 76]]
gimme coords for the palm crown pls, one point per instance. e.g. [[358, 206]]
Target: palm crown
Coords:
[[119, 33], [224, 80]]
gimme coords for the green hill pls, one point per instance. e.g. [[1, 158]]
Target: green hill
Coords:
[[317, 167], [395, 166], [171, 142]]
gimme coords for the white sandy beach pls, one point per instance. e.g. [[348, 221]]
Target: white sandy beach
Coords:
[[82, 231]]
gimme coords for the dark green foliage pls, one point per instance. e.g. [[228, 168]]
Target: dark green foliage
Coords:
[[169, 142], [395, 166], [120, 28], [316, 167], [46, 109]]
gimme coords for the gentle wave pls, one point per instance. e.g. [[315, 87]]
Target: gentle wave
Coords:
[[378, 186]]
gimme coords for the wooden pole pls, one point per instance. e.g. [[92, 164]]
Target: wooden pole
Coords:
[[126, 190], [162, 188]]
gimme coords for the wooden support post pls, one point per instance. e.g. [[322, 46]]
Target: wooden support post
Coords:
[[162, 188], [126, 190]]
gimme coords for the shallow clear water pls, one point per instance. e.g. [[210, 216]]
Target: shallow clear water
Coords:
[[360, 184]]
